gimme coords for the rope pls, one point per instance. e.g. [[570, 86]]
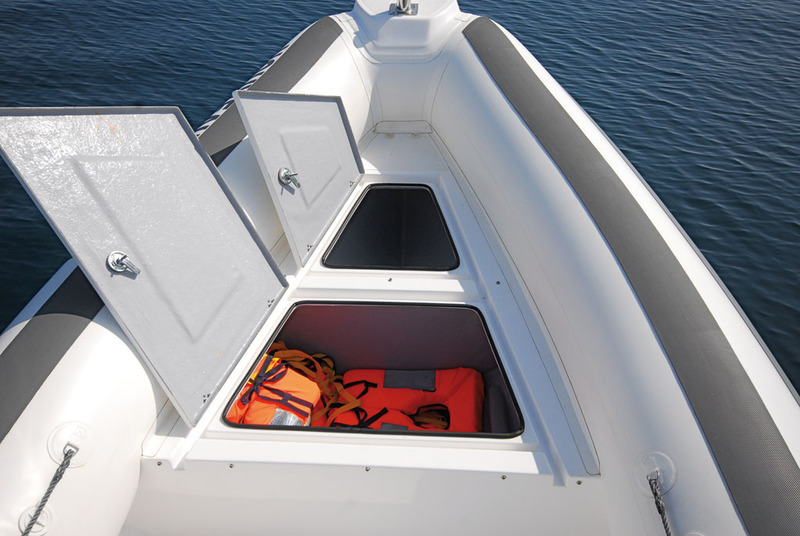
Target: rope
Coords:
[[661, 506], [69, 452]]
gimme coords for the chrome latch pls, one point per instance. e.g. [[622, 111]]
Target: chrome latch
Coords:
[[287, 177], [119, 262], [403, 7]]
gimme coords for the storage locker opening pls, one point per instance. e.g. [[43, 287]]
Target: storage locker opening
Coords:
[[408, 341], [394, 227]]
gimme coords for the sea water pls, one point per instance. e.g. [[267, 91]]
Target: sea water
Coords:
[[702, 96]]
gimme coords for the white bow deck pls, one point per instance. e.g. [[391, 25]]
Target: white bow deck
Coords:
[[602, 395]]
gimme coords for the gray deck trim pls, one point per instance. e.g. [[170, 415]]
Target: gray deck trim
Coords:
[[222, 136], [762, 476], [39, 346]]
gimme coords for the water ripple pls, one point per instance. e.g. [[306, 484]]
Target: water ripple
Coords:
[[702, 96]]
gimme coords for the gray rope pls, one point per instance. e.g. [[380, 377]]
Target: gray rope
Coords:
[[661, 506], [69, 452]]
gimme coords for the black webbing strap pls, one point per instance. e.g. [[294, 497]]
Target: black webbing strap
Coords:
[[367, 386], [255, 382], [364, 419], [287, 400], [260, 384]]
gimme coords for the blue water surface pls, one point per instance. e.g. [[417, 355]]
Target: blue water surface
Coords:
[[702, 96]]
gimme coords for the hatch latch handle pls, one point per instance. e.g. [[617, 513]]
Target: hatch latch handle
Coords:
[[287, 177], [403, 7], [119, 262]]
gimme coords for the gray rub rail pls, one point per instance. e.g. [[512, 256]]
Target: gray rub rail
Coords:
[[225, 133]]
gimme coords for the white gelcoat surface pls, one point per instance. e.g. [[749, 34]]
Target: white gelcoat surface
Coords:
[[113, 180], [404, 38], [310, 137], [593, 385], [596, 324]]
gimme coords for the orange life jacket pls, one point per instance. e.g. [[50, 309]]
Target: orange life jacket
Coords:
[[291, 382], [275, 394], [319, 368], [459, 390]]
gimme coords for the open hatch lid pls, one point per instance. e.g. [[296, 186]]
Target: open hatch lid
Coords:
[[310, 136], [198, 283]]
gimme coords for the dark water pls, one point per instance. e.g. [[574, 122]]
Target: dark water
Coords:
[[702, 96]]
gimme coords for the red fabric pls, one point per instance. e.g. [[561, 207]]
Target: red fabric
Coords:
[[460, 389]]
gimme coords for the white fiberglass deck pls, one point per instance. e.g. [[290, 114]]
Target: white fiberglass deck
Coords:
[[588, 289], [375, 473]]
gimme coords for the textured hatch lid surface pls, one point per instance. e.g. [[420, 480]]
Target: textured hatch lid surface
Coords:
[[309, 135], [135, 180]]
